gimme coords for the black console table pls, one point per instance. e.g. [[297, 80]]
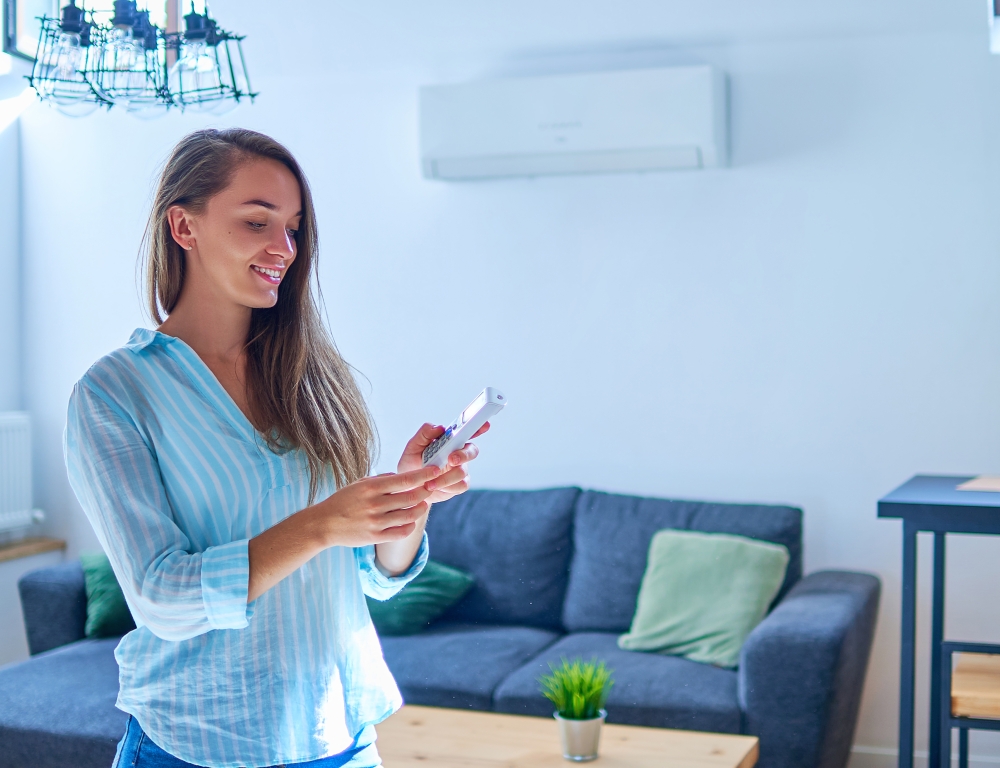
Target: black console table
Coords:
[[931, 503]]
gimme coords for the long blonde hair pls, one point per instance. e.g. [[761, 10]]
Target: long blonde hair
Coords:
[[301, 392]]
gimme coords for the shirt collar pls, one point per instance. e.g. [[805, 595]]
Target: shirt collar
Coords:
[[143, 337]]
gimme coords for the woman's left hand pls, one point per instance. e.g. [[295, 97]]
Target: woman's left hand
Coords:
[[454, 480]]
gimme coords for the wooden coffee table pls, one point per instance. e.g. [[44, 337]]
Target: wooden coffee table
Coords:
[[429, 736]]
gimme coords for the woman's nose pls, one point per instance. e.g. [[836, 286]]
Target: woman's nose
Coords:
[[283, 245]]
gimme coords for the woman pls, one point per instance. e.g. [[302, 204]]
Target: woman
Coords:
[[223, 461]]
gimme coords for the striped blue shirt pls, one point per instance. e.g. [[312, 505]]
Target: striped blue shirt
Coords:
[[176, 481]]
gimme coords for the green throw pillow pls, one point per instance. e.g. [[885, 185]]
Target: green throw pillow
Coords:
[[434, 590], [107, 613], [703, 593]]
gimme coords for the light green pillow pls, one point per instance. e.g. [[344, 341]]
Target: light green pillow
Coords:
[[434, 590], [703, 593], [107, 613]]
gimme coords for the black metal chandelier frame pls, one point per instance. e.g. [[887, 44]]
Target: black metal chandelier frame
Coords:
[[88, 59]]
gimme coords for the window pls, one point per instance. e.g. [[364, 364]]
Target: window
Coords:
[[157, 10], [21, 27]]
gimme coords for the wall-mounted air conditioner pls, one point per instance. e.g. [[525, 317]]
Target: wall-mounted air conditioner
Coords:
[[636, 120]]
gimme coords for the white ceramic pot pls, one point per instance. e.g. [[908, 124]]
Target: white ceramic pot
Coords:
[[580, 738]]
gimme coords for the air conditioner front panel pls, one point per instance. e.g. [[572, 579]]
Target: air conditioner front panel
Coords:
[[594, 117]]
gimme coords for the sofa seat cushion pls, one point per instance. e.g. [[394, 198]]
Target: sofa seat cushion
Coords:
[[611, 536], [460, 665], [58, 708], [516, 544], [649, 689]]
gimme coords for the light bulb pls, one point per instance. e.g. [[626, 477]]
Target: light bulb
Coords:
[[233, 78], [123, 67], [148, 111], [147, 106], [120, 50], [78, 108], [223, 106], [66, 57], [194, 79], [62, 82], [147, 102]]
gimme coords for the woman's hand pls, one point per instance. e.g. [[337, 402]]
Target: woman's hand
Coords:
[[375, 509], [384, 511], [454, 479]]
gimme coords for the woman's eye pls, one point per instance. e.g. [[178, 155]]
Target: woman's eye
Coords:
[[293, 232], [256, 225]]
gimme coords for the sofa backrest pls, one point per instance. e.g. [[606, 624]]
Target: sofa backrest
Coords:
[[54, 604], [611, 537], [517, 545]]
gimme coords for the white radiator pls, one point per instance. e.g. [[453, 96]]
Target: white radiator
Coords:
[[15, 472]]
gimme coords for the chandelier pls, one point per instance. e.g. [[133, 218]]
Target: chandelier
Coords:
[[90, 59]]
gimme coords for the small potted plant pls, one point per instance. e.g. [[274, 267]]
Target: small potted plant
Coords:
[[579, 691]]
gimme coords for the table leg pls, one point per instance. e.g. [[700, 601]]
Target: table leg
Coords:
[[937, 635], [944, 726], [907, 664]]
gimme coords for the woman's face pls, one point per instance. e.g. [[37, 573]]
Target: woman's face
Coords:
[[240, 246]]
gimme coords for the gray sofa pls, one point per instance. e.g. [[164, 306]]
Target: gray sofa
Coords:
[[557, 574]]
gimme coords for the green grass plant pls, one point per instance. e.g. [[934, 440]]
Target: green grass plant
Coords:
[[578, 689]]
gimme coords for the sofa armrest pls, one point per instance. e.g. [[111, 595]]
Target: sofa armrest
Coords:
[[802, 670], [54, 603]]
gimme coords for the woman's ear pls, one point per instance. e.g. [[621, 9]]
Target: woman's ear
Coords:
[[180, 227]]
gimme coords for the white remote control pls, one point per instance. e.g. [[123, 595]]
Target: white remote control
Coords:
[[485, 406]]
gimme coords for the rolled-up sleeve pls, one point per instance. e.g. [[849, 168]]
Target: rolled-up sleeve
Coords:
[[174, 592], [376, 584]]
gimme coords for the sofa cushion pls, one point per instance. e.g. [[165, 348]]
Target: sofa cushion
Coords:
[[432, 592], [516, 544], [703, 593], [611, 537], [58, 708], [459, 665], [649, 689], [108, 614]]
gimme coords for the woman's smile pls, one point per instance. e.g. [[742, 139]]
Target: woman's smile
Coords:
[[270, 275]]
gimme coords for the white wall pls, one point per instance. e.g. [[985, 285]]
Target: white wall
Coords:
[[812, 325]]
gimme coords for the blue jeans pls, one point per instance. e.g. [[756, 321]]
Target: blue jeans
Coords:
[[137, 750]]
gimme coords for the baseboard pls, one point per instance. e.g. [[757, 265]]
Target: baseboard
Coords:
[[878, 757]]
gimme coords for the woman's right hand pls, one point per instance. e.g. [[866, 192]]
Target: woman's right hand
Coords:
[[374, 509]]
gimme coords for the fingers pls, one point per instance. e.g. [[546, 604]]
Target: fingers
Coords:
[[464, 455], [429, 433], [452, 490], [405, 500], [448, 479], [404, 481], [361, 513], [426, 435], [402, 517], [397, 533], [481, 431]]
